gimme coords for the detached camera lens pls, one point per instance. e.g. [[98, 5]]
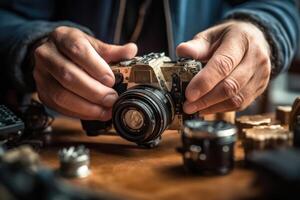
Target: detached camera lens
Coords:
[[142, 113], [208, 146]]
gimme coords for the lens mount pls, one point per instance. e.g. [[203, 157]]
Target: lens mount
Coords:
[[142, 113]]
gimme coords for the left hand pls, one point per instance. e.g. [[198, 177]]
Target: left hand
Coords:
[[237, 71]]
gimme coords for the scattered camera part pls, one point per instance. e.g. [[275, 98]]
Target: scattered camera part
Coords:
[[74, 162], [11, 126], [23, 155], [269, 137], [283, 114], [296, 139], [249, 121], [208, 146], [128, 62], [294, 113]]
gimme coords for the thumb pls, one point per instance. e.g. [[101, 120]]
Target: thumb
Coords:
[[114, 53], [198, 48], [203, 45]]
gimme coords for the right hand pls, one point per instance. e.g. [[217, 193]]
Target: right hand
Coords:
[[72, 74]]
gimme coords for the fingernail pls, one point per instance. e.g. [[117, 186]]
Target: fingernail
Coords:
[[190, 108], [107, 80], [106, 115], [109, 100], [193, 94]]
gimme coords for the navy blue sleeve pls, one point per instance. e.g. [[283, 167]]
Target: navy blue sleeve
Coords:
[[22, 23], [279, 20]]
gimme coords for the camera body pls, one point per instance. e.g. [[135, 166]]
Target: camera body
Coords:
[[151, 92]]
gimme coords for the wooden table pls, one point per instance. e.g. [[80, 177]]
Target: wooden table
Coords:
[[130, 172]]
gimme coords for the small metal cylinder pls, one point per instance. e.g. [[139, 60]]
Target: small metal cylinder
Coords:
[[208, 146], [74, 162], [283, 114]]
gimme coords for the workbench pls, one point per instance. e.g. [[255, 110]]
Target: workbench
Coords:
[[131, 172]]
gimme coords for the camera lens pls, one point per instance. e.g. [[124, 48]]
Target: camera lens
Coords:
[[142, 113], [208, 146]]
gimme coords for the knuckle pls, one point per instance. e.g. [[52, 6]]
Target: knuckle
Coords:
[[203, 103], [264, 60], [57, 32], [245, 41], [65, 74], [223, 64], [97, 113], [267, 72], [40, 52], [59, 97], [77, 47], [202, 36], [237, 101], [231, 87]]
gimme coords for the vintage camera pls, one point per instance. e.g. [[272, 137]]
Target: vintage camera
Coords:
[[208, 146], [151, 92]]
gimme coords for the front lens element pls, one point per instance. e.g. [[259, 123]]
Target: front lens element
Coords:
[[134, 119], [142, 113]]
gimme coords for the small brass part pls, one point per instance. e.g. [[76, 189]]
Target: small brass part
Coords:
[[283, 114], [250, 121], [267, 137], [294, 113]]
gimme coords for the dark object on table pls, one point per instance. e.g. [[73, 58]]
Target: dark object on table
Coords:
[[278, 173], [36, 123], [74, 162], [36, 118], [11, 126], [296, 138], [294, 113], [23, 178], [208, 146], [151, 90]]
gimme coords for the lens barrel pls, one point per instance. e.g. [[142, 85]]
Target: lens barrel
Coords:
[[208, 146], [142, 113]]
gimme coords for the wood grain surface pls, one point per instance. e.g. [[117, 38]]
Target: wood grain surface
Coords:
[[130, 172]]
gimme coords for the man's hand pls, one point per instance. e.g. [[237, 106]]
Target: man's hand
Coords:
[[237, 71], [72, 75]]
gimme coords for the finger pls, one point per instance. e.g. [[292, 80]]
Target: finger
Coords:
[[113, 53], [242, 99], [224, 60], [77, 48], [202, 46], [226, 89], [67, 102], [199, 48], [72, 77]]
